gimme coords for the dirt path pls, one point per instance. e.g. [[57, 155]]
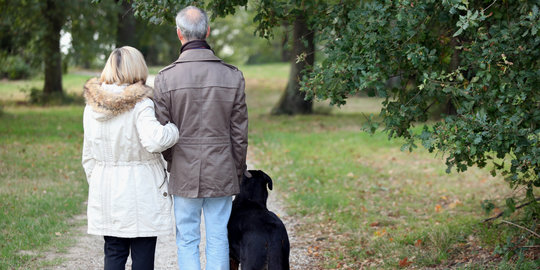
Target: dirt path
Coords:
[[87, 253]]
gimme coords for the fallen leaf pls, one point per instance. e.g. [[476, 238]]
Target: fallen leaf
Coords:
[[375, 224], [404, 263]]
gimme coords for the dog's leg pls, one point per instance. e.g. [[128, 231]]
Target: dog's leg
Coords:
[[233, 264]]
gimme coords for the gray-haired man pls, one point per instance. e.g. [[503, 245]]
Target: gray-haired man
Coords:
[[205, 98]]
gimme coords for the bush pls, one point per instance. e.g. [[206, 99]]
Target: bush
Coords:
[[37, 97], [14, 67]]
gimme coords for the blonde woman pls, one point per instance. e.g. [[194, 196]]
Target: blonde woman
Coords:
[[128, 201]]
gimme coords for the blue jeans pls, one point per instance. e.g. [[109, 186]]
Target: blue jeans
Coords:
[[188, 235]]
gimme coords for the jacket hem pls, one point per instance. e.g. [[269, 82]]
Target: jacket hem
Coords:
[[210, 195], [131, 234]]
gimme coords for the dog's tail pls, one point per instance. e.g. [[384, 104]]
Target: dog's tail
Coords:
[[278, 253]]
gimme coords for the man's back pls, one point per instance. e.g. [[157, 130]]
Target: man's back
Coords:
[[205, 98]]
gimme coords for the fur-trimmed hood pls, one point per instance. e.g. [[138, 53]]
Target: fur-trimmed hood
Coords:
[[107, 104]]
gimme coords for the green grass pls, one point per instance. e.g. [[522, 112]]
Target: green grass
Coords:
[[42, 184]]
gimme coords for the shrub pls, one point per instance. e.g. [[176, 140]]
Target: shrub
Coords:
[[37, 97], [14, 67]]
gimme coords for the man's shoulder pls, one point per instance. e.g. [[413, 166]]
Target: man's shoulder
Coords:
[[233, 68], [167, 68], [230, 66]]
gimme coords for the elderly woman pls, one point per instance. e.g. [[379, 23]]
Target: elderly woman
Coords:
[[127, 202]]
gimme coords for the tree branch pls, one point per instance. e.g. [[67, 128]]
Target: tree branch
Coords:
[[521, 227], [489, 6], [518, 207]]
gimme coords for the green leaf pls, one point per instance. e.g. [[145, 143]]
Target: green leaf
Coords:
[[511, 204]]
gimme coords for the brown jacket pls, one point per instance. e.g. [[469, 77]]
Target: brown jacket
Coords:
[[205, 98]]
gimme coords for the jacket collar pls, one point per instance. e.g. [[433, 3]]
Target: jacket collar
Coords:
[[197, 55], [111, 103]]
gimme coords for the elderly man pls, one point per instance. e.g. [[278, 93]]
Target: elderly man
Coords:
[[205, 98]]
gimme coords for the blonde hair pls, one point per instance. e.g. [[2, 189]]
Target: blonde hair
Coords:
[[125, 65]]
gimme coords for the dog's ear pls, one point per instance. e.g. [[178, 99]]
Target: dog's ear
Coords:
[[268, 180]]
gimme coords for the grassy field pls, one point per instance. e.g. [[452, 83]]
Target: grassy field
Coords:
[[19, 90], [42, 184], [361, 201]]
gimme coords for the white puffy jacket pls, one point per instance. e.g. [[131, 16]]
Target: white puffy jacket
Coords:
[[121, 157]]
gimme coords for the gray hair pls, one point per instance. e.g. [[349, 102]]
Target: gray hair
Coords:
[[192, 22]]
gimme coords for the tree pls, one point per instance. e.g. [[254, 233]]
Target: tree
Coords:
[[54, 18], [40, 24], [483, 56], [269, 15], [126, 27], [92, 28]]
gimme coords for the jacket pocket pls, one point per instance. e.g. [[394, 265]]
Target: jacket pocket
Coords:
[[218, 165]]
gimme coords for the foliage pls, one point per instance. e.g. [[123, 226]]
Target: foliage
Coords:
[[14, 67], [232, 36], [267, 14], [482, 56], [233, 40], [93, 31]]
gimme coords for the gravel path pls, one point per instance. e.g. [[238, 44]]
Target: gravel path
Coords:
[[87, 253]]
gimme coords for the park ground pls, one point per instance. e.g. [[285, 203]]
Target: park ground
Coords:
[[358, 200]]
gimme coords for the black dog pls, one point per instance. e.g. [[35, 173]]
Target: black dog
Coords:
[[257, 237]]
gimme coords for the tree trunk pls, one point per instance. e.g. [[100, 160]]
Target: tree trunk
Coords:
[[125, 31], [54, 20], [292, 100], [285, 49]]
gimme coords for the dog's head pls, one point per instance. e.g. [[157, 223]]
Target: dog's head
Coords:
[[254, 188]]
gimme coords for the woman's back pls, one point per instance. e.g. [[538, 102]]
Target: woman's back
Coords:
[[122, 144]]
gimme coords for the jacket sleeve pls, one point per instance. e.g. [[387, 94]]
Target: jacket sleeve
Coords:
[[154, 137], [88, 161], [162, 110], [239, 129]]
